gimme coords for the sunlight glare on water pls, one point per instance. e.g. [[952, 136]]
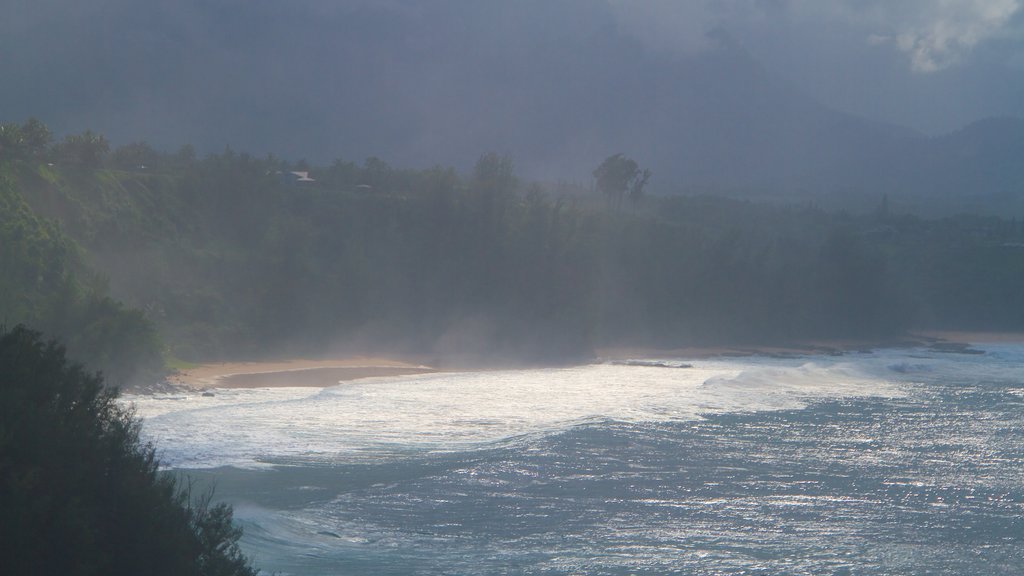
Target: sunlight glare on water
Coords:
[[893, 462], [450, 411]]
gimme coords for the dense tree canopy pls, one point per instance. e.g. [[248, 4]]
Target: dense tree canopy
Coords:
[[80, 493], [222, 258], [87, 149], [45, 282], [25, 142]]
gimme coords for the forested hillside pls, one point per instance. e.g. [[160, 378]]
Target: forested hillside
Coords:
[[44, 282], [241, 257]]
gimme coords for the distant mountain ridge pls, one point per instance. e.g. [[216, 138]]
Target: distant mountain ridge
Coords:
[[558, 86], [975, 169]]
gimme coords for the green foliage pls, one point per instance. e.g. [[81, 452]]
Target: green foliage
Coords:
[[230, 261], [136, 156], [80, 493], [10, 140], [87, 149], [44, 282], [26, 142]]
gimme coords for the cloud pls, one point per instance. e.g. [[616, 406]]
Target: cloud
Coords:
[[931, 34], [952, 29]]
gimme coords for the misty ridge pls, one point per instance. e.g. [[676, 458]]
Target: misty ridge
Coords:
[[556, 86], [160, 221]]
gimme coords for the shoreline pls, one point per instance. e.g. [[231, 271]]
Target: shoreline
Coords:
[[968, 337], [297, 372], [782, 350], [325, 373], [945, 340]]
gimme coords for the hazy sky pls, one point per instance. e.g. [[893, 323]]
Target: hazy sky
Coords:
[[933, 65], [322, 78]]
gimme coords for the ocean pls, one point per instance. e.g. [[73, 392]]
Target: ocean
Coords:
[[907, 461]]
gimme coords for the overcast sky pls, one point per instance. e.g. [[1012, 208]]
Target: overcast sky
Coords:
[[933, 65], [303, 76]]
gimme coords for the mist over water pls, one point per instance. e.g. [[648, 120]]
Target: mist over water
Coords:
[[894, 462]]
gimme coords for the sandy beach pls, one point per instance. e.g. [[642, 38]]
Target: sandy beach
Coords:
[[296, 372], [322, 373]]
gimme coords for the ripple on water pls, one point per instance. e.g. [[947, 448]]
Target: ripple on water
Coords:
[[927, 480]]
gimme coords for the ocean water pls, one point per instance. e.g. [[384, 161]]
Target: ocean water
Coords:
[[890, 462]]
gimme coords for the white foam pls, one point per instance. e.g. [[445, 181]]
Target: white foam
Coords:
[[457, 411]]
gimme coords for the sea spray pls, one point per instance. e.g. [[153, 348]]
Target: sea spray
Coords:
[[460, 411]]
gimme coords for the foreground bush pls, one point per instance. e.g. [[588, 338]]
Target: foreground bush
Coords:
[[79, 492]]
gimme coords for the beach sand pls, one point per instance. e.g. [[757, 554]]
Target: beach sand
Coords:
[[322, 373], [296, 372]]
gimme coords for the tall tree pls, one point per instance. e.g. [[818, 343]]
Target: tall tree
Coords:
[[636, 187], [618, 175], [493, 175]]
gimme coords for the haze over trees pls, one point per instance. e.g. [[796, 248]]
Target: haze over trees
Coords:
[[148, 257], [45, 281]]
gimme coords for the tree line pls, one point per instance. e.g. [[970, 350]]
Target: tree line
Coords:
[[223, 258]]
